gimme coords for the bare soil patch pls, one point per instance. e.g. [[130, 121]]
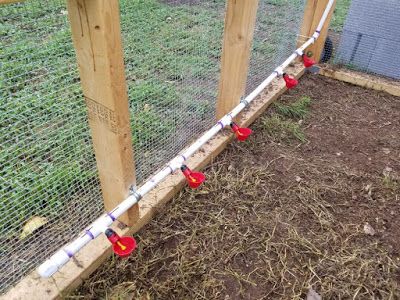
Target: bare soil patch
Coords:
[[311, 203]]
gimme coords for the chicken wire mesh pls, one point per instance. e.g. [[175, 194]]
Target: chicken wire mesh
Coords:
[[172, 52], [173, 95], [363, 37], [275, 37], [47, 168], [172, 58]]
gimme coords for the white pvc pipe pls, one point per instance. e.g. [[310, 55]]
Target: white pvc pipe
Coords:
[[62, 256]]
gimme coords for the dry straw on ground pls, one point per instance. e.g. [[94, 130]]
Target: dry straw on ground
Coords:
[[279, 215]]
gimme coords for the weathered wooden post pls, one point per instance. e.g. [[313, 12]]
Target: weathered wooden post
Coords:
[[240, 21], [96, 34], [312, 15]]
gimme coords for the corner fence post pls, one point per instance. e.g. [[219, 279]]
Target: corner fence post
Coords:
[[96, 35], [313, 12], [240, 20]]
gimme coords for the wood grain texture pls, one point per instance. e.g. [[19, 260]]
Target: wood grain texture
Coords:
[[71, 275], [96, 35], [308, 18], [312, 15], [364, 80], [240, 21]]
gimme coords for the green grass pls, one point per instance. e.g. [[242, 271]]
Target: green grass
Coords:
[[340, 14], [391, 183], [280, 129], [172, 56], [283, 125], [45, 150], [296, 110]]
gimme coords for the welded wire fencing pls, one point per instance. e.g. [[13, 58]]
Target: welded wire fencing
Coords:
[[363, 38], [275, 37], [47, 167], [172, 59], [172, 49], [179, 81], [49, 186]]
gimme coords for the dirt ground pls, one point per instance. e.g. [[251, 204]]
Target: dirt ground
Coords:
[[311, 201]]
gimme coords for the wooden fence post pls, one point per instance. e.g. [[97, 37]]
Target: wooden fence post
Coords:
[[240, 21], [96, 35], [312, 15]]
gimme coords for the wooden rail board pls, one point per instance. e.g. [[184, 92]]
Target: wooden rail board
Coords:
[[364, 80], [33, 287]]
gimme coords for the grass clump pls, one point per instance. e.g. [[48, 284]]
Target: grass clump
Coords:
[[391, 183], [280, 129], [283, 125], [296, 110]]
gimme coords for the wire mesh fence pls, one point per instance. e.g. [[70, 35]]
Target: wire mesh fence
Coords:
[[181, 44], [172, 49], [363, 38], [172, 58], [47, 168], [275, 37]]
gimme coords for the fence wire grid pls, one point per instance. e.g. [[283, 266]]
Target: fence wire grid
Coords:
[[173, 95], [47, 167], [172, 52], [363, 37], [275, 37]]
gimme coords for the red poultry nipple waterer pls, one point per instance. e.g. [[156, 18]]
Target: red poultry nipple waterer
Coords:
[[122, 246], [291, 82], [242, 133], [308, 62], [194, 179]]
